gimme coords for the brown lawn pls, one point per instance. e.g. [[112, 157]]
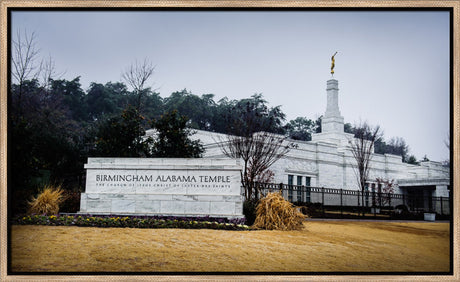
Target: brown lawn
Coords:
[[323, 246]]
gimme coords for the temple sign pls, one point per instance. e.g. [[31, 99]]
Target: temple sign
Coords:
[[333, 63]]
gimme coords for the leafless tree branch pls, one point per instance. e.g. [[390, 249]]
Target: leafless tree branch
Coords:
[[137, 75], [362, 149], [24, 66], [258, 151], [48, 72], [24, 57]]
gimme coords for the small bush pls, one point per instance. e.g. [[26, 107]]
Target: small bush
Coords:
[[275, 213], [48, 201], [72, 202], [312, 209], [131, 221], [249, 211]]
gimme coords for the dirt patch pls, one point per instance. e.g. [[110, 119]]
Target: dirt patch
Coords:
[[322, 246]]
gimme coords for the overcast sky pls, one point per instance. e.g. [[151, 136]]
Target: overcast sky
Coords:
[[392, 67]]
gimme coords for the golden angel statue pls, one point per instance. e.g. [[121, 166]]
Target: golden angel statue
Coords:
[[333, 63]]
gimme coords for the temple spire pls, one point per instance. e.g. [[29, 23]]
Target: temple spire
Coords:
[[332, 120], [332, 123]]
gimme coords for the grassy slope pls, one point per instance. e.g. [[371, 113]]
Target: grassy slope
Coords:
[[320, 247]]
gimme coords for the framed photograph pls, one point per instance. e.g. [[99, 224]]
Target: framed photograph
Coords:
[[91, 87]]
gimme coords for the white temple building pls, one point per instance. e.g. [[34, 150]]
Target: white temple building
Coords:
[[327, 160]]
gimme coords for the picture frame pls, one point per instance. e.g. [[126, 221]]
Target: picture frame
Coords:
[[7, 6]]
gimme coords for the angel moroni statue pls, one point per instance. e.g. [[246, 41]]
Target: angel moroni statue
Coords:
[[333, 63]]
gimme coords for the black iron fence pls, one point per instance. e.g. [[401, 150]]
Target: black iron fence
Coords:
[[343, 199]]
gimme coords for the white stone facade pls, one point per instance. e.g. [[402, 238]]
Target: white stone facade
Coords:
[[327, 160], [163, 186]]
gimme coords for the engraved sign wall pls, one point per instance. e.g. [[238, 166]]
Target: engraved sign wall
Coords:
[[185, 187]]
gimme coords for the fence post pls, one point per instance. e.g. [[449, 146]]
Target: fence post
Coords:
[[358, 198], [322, 197], [341, 202], [374, 203], [442, 212], [302, 194], [358, 203]]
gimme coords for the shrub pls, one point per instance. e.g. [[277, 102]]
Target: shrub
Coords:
[[71, 203], [249, 211], [312, 209], [275, 213], [48, 201], [130, 221]]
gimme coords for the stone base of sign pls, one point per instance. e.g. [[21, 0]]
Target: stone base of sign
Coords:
[[167, 187]]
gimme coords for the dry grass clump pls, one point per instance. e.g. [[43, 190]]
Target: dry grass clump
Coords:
[[275, 213], [48, 201]]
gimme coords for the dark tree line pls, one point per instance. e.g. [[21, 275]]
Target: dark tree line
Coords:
[[54, 125], [59, 125], [395, 146]]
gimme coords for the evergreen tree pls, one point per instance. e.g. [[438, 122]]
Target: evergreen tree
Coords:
[[122, 136], [300, 128], [173, 138]]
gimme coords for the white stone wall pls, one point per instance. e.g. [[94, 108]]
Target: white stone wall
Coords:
[[328, 161], [441, 191], [180, 187]]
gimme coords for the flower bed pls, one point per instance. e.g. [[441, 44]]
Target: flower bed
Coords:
[[133, 221]]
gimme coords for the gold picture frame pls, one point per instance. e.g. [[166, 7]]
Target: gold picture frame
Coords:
[[5, 5]]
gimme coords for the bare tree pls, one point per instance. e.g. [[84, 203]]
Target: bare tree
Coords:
[[386, 188], [258, 151], [48, 72], [137, 75], [446, 162], [362, 148], [24, 57], [447, 141], [23, 61], [398, 146], [250, 126]]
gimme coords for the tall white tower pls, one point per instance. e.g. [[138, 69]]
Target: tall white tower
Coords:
[[332, 123], [332, 120]]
